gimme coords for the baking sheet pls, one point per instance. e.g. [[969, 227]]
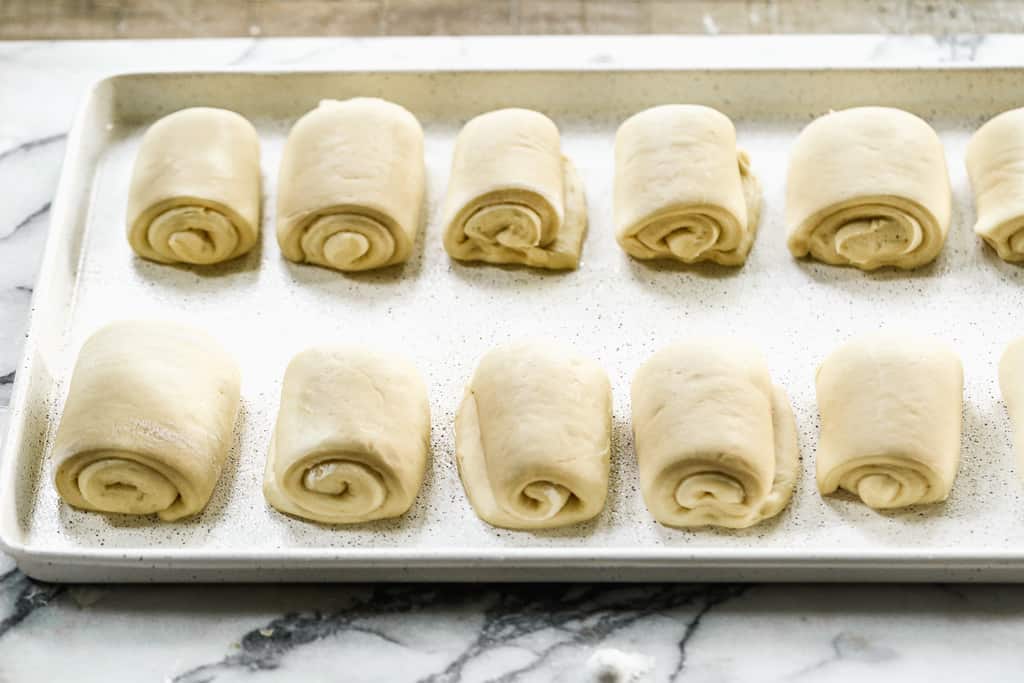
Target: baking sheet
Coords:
[[444, 315]]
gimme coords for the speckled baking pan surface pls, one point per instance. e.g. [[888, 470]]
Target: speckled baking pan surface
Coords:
[[444, 315]]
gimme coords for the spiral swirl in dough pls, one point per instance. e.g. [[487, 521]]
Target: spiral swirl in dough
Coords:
[[716, 441], [351, 185], [512, 196], [351, 439], [995, 163], [195, 189], [532, 437], [683, 190], [868, 187], [890, 410], [148, 421]]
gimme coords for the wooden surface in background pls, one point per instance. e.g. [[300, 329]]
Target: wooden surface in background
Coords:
[[28, 19]]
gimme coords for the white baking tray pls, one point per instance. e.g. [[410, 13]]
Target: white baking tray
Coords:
[[444, 315]]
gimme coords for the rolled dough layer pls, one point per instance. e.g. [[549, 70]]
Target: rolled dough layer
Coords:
[[995, 163], [683, 190], [352, 437], [890, 410], [351, 186], [716, 441], [512, 196], [533, 436], [195, 189], [868, 187], [148, 421]]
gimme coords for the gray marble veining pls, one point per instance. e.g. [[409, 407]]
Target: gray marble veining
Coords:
[[552, 632]]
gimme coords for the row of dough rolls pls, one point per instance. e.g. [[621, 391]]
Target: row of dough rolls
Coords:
[[715, 439], [350, 188], [869, 187], [352, 178], [866, 187], [150, 415], [151, 408]]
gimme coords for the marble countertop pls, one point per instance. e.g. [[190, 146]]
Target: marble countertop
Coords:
[[449, 633]]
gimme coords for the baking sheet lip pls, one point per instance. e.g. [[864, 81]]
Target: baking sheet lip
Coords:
[[62, 205], [455, 69], [522, 557]]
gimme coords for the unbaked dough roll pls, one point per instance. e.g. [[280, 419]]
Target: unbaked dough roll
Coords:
[[995, 163], [351, 438], [532, 437], [1011, 385], [512, 196], [195, 189], [682, 189], [868, 187], [890, 410], [148, 421], [351, 187], [716, 441]]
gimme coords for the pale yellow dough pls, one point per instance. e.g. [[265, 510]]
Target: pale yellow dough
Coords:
[[533, 435], [1011, 385], [148, 421], [716, 441], [352, 436], [995, 163], [890, 409], [683, 190], [868, 187], [512, 196], [351, 187], [195, 189]]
